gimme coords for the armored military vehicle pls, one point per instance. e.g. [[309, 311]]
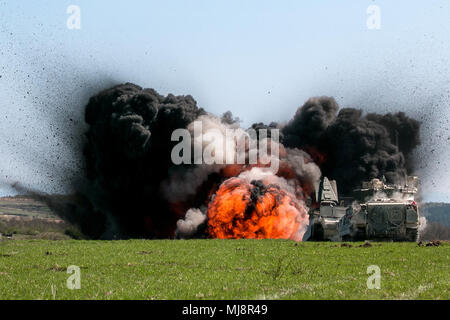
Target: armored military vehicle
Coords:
[[382, 212], [324, 218]]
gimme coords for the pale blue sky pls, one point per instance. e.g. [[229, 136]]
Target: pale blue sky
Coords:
[[259, 59]]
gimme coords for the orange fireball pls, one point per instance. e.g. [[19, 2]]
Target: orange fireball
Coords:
[[242, 209]]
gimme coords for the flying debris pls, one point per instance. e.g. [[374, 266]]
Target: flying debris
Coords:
[[136, 190]]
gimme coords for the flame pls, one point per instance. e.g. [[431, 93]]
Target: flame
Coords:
[[255, 210]]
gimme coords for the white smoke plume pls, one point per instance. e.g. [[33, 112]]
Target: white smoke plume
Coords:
[[188, 226], [422, 225], [267, 177], [184, 183], [305, 168]]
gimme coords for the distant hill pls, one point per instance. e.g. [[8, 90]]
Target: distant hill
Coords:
[[28, 206], [436, 212], [24, 217], [24, 206]]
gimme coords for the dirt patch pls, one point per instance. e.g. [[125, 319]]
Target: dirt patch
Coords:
[[433, 243], [58, 268], [366, 244], [10, 254], [5, 255]]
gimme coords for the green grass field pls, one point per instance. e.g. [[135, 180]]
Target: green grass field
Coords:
[[221, 269]]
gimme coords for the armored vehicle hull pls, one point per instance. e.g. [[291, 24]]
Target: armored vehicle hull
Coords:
[[377, 212], [324, 220], [382, 220]]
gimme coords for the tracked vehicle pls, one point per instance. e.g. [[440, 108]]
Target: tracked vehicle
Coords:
[[382, 212], [376, 211], [324, 219]]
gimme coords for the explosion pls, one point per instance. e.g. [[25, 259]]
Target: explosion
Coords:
[[132, 188], [255, 211]]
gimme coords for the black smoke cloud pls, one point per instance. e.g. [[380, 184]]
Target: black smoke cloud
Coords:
[[353, 146], [128, 166], [127, 156]]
